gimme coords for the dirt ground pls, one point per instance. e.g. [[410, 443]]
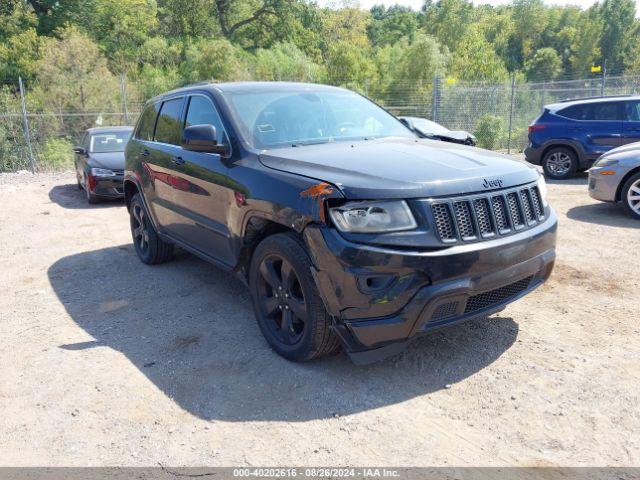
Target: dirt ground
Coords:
[[105, 361]]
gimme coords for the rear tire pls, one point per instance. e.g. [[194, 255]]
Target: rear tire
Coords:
[[560, 163], [286, 302], [149, 247], [630, 196]]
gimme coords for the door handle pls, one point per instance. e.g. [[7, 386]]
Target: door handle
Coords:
[[145, 153], [178, 160]]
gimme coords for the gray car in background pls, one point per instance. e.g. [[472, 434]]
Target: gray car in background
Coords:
[[615, 177]]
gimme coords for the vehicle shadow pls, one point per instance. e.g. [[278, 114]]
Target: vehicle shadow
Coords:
[[610, 214], [70, 196], [580, 178], [190, 329]]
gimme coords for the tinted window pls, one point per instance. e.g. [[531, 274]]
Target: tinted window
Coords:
[[632, 111], [168, 127], [606, 111], [202, 112], [147, 122], [576, 112], [592, 111]]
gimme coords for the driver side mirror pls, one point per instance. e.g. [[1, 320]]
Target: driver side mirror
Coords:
[[202, 138], [79, 150]]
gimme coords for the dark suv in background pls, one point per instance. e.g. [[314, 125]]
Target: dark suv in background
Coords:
[[348, 229], [570, 135]]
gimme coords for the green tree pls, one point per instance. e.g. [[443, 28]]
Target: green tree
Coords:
[[475, 59], [545, 64], [285, 61], [121, 27], [619, 30], [390, 25], [73, 75], [447, 20], [213, 60]]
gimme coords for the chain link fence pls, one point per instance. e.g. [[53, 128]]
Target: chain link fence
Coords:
[[34, 133]]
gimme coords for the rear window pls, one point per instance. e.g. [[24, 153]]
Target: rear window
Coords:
[[147, 122], [593, 111], [169, 125]]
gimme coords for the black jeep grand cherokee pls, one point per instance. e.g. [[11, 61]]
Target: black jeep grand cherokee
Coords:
[[347, 228]]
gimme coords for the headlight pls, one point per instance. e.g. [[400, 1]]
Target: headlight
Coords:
[[102, 172], [604, 162], [542, 188], [369, 217]]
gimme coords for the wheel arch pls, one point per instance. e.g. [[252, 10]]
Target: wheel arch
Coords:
[[130, 189], [624, 180], [258, 227], [563, 144]]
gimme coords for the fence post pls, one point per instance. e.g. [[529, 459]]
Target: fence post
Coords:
[[25, 121], [436, 99], [604, 77], [513, 98], [123, 94]]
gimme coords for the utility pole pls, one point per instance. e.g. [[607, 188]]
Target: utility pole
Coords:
[[123, 93], [513, 98], [436, 99], [25, 121], [604, 77]]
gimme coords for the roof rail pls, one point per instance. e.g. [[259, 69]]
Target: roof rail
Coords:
[[197, 84], [594, 98]]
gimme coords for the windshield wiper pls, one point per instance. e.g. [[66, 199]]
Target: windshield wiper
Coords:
[[311, 142]]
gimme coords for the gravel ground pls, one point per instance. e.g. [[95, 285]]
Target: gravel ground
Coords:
[[105, 361]]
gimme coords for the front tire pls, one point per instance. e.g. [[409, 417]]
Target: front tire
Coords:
[[630, 196], [288, 308], [151, 249], [560, 163]]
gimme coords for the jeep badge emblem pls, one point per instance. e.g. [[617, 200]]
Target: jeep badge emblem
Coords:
[[497, 183]]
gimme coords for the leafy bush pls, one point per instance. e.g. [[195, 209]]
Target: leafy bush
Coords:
[[489, 130], [56, 154]]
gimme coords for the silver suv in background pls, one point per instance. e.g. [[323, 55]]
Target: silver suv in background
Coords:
[[615, 177]]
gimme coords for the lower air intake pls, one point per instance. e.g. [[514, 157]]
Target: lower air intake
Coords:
[[499, 295]]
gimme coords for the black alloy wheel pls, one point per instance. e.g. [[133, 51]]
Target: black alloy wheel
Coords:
[[281, 299], [289, 310]]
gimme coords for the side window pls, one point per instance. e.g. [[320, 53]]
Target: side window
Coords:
[[606, 111], [147, 122], [168, 127], [85, 142], [201, 111], [632, 111], [575, 112]]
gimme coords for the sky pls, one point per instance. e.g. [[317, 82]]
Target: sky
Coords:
[[416, 4]]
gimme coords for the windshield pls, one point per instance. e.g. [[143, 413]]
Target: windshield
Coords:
[[428, 127], [109, 142], [298, 117]]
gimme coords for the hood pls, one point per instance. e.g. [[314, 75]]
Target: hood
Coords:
[[633, 148], [110, 160], [460, 134], [401, 168]]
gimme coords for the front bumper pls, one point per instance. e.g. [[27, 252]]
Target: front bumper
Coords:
[[604, 187], [380, 298], [109, 187]]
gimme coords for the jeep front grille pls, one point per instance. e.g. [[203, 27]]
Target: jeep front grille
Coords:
[[481, 217]]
